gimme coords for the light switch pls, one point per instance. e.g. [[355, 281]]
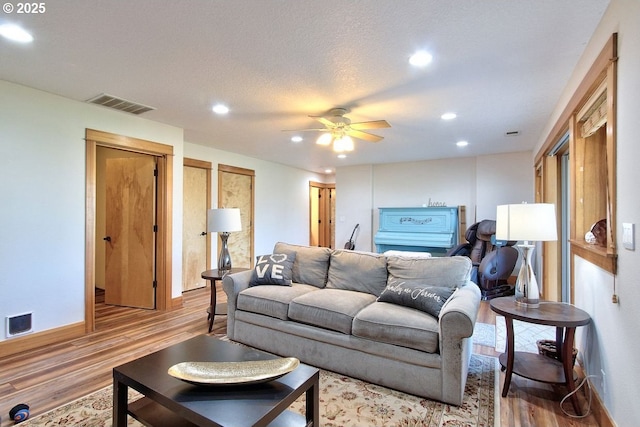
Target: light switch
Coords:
[[628, 236]]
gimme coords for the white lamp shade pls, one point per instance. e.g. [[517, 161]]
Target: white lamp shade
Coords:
[[526, 221], [224, 220]]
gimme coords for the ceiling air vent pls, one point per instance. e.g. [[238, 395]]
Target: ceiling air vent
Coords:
[[512, 133], [119, 104]]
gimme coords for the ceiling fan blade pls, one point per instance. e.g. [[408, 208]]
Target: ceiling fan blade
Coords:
[[375, 124], [324, 121], [307, 130], [365, 135]]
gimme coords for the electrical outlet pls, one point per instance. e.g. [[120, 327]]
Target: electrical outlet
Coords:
[[604, 382]]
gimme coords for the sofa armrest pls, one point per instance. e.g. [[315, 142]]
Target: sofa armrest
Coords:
[[458, 316], [233, 284], [457, 320]]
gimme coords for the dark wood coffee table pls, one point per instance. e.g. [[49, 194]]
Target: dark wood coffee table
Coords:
[[168, 401]]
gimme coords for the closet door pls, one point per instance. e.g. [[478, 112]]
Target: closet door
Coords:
[[235, 190], [195, 240]]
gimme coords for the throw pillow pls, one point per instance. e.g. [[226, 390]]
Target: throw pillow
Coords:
[[311, 264], [274, 269], [427, 298]]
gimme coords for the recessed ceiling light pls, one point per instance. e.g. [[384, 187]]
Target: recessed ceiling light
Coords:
[[220, 109], [420, 59], [15, 33], [342, 156], [462, 143], [328, 171], [448, 116], [296, 138]]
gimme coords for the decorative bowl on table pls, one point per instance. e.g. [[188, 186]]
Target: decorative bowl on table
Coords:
[[233, 373]]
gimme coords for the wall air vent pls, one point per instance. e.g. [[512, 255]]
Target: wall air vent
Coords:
[[119, 104], [19, 324]]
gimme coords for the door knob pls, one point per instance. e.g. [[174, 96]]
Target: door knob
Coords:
[[108, 238], [204, 233]]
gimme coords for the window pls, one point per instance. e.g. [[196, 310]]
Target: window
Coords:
[[590, 120]]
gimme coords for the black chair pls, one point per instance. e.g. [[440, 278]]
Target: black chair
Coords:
[[493, 262]]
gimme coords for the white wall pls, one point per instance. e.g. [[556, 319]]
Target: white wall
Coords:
[[611, 343], [354, 201], [281, 197], [42, 182], [42, 189], [479, 183], [503, 179]]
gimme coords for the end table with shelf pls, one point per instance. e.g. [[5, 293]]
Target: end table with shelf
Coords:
[[214, 276], [565, 318]]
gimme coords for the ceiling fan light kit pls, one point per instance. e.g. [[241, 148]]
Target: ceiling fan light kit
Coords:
[[339, 132], [342, 144], [324, 139]]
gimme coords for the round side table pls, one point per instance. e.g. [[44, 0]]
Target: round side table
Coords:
[[565, 318], [213, 276]]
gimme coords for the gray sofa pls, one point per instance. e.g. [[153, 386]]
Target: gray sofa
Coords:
[[331, 314]]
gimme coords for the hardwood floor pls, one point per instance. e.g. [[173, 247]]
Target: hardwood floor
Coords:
[[49, 377], [531, 403]]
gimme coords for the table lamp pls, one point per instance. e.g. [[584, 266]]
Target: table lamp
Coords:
[[224, 221], [527, 223]]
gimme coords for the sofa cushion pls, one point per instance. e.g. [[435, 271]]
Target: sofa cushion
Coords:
[[271, 300], [394, 324], [453, 272], [274, 269], [357, 271], [429, 299], [311, 264], [410, 254], [329, 308]]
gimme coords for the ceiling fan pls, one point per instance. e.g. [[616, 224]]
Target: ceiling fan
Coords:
[[339, 130]]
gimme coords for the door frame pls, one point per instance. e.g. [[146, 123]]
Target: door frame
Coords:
[[164, 212]]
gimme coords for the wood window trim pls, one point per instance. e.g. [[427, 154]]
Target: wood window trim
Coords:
[[602, 71], [590, 83]]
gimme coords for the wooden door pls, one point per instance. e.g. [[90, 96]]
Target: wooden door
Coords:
[[322, 212], [195, 240], [130, 236], [235, 190]]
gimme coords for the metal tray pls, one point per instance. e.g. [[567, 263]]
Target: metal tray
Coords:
[[233, 373]]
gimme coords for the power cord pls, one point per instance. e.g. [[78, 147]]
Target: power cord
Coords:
[[588, 411]]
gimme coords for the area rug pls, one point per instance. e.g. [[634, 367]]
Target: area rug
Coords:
[[526, 335], [484, 334], [344, 402]]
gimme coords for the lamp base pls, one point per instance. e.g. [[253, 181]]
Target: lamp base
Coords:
[[527, 291], [224, 260]]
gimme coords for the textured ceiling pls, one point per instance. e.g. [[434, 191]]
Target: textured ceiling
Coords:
[[499, 64]]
